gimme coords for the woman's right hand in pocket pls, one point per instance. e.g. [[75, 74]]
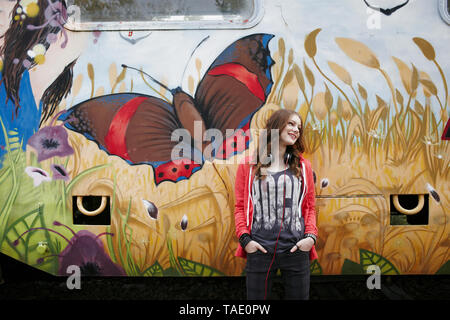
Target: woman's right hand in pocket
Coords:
[[254, 246]]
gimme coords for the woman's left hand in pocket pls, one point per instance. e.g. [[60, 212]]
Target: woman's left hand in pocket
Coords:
[[303, 245]]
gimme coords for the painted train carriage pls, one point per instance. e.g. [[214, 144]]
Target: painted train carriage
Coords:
[[123, 123]]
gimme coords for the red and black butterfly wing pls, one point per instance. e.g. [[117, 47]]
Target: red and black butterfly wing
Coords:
[[137, 128], [235, 86]]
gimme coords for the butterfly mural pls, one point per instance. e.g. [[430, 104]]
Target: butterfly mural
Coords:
[[138, 127]]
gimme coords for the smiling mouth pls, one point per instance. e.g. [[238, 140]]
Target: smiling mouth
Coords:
[[293, 136]]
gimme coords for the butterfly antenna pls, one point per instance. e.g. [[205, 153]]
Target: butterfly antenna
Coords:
[[193, 51], [159, 83]]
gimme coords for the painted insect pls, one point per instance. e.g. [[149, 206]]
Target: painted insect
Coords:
[[138, 127]]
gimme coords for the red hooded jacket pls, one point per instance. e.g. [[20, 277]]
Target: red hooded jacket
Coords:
[[243, 211]]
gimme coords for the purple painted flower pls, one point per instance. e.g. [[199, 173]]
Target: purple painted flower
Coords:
[[59, 172], [52, 38], [56, 14], [26, 63], [84, 250], [51, 141], [38, 175]]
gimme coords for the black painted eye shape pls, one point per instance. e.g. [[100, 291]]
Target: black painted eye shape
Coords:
[[91, 210]]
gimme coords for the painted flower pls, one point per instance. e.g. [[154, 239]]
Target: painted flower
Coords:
[[51, 141], [84, 250], [51, 38], [27, 8], [38, 175], [30, 7], [37, 53], [56, 16], [59, 172]]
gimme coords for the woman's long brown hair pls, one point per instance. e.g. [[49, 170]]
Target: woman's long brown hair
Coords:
[[18, 39], [279, 120]]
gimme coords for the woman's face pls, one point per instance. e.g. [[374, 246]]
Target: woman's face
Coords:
[[291, 132]]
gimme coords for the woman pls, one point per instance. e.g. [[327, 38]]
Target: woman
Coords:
[[269, 193], [27, 38]]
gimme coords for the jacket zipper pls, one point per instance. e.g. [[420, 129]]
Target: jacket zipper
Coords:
[[249, 197], [304, 190]]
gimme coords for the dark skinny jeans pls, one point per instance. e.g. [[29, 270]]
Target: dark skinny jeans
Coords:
[[294, 269]]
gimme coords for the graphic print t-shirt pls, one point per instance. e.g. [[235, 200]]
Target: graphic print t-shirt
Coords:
[[267, 196]]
